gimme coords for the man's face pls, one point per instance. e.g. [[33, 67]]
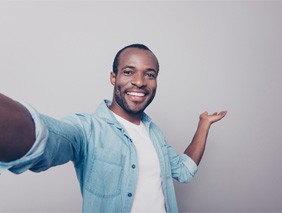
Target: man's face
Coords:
[[135, 83]]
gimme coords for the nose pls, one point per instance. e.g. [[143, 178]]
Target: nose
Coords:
[[138, 80]]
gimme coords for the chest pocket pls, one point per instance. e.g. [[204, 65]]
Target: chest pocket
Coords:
[[104, 179]]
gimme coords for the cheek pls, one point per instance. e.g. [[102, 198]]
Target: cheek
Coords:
[[153, 86], [123, 84]]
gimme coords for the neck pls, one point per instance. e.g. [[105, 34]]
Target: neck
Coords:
[[131, 117]]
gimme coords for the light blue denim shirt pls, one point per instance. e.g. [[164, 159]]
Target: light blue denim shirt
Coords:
[[104, 157]]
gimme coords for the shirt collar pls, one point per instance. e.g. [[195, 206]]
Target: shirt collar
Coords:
[[104, 112]]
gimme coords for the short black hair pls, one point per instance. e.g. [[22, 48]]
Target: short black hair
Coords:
[[138, 46]]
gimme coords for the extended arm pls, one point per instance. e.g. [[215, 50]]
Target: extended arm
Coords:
[[17, 130], [197, 147]]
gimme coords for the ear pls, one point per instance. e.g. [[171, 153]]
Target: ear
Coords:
[[113, 78]]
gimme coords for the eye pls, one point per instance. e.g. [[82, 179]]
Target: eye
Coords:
[[152, 75], [127, 72]]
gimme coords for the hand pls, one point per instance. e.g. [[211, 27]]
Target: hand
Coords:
[[213, 117]]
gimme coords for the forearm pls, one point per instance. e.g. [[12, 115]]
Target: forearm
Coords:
[[197, 147], [17, 130]]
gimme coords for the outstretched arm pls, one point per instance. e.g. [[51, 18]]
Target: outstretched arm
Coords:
[[17, 130], [197, 147]]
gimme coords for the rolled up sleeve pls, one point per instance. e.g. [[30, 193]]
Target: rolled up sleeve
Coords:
[[183, 168], [26, 162], [190, 164]]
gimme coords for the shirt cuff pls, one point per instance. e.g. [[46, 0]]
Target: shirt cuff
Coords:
[[190, 164], [41, 132]]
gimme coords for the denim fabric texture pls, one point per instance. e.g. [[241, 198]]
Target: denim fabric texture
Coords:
[[104, 158]]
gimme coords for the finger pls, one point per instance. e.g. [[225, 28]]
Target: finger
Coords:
[[223, 113], [204, 114]]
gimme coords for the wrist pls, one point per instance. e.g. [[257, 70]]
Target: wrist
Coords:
[[204, 123]]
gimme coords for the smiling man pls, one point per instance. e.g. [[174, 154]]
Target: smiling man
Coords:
[[122, 160], [135, 82]]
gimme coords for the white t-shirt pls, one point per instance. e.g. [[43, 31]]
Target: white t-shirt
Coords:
[[149, 195]]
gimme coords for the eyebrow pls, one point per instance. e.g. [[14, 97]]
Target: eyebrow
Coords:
[[132, 67], [152, 69]]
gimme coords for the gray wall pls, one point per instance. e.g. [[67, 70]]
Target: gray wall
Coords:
[[214, 55]]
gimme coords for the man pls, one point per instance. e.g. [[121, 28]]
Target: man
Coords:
[[122, 160]]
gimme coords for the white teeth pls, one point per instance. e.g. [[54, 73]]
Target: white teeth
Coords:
[[136, 94]]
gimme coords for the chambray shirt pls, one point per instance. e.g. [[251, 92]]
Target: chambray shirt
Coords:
[[104, 158]]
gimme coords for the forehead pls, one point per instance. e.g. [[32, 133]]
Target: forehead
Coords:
[[138, 58]]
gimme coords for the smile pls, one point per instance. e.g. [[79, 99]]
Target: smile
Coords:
[[139, 94]]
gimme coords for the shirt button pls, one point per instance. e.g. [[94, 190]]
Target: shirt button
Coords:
[[129, 195], [133, 166]]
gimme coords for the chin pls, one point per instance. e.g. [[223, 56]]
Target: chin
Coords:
[[137, 108]]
